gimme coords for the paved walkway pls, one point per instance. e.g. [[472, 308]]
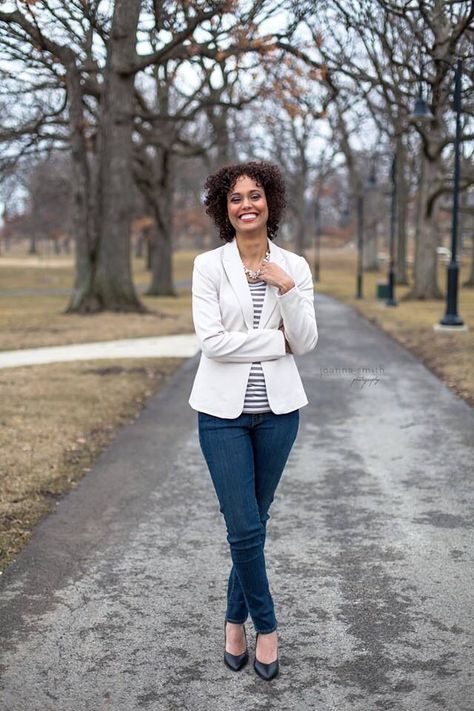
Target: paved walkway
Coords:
[[118, 601], [179, 346]]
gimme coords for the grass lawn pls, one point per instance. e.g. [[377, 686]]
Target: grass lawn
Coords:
[[32, 321], [48, 444]]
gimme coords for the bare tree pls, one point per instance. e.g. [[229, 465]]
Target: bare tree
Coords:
[[93, 60], [379, 53]]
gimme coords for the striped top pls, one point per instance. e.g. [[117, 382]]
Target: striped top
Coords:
[[256, 394]]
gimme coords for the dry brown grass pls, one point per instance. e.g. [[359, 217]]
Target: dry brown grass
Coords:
[[48, 443], [447, 354], [32, 321]]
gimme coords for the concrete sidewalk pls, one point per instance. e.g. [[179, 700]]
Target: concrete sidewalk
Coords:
[[118, 601], [179, 346]]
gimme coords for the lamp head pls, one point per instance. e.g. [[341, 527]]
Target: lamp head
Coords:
[[421, 111]]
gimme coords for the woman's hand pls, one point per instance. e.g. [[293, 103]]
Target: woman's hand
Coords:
[[273, 274], [287, 345]]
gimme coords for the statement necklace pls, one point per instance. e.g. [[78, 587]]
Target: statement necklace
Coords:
[[256, 274]]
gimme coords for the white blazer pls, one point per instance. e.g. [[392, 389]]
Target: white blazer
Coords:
[[223, 319]]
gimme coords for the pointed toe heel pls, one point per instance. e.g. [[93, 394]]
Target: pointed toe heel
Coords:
[[266, 671], [235, 661]]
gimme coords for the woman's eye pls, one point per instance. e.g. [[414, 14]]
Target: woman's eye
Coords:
[[256, 196]]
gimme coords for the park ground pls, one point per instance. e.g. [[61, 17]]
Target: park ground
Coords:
[[118, 600], [57, 418]]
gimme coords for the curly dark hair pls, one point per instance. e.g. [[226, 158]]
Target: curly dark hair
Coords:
[[219, 184]]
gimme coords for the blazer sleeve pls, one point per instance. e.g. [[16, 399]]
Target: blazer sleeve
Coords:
[[228, 346], [297, 310]]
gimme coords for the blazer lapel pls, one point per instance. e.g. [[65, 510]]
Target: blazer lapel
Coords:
[[235, 272], [270, 300]]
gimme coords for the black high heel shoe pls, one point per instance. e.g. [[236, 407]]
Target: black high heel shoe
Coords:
[[236, 661], [265, 671]]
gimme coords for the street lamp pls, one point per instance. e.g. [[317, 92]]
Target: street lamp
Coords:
[[391, 301], [360, 243], [421, 112]]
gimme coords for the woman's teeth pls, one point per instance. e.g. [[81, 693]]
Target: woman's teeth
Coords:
[[248, 217]]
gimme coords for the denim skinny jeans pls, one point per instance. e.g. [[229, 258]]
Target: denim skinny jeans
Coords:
[[246, 456]]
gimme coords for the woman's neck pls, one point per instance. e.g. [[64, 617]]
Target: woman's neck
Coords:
[[252, 248]]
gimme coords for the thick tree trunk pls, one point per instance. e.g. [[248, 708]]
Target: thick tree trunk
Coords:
[[161, 266], [112, 280], [426, 237], [82, 299], [162, 249], [402, 198], [103, 188]]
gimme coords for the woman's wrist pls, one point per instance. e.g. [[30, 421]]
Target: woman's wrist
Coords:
[[286, 285]]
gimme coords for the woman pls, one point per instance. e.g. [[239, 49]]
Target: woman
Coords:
[[253, 308]]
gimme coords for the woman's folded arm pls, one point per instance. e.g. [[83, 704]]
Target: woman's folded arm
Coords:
[[297, 309], [228, 346]]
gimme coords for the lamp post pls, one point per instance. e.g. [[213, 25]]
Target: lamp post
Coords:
[[391, 301], [360, 243], [422, 112]]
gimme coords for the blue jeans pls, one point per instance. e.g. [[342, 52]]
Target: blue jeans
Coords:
[[246, 456]]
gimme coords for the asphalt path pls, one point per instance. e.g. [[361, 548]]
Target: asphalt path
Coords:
[[118, 600]]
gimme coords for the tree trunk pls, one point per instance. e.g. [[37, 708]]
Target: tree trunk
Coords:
[[402, 198], [82, 299], [463, 225], [139, 244], [466, 226], [162, 249], [299, 192], [33, 243], [224, 152], [300, 233], [470, 280], [149, 248], [369, 259], [426, 237], [112, 280]]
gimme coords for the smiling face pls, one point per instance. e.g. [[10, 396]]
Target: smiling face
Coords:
[[247, 205]]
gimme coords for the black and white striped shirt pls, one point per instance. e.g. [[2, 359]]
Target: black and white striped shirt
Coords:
[[256, 394]]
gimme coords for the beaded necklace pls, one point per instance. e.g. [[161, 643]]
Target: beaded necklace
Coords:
[[256, 274]]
